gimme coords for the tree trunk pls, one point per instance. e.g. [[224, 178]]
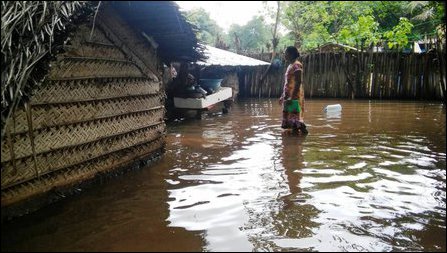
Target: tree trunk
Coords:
[[274, 43]]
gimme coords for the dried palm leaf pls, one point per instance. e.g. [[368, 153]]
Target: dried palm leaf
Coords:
[[28, 31]]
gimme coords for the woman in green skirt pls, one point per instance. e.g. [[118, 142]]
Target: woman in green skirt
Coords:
[[292, 98]]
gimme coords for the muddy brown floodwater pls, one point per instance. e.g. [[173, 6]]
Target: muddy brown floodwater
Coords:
[[372, 178]]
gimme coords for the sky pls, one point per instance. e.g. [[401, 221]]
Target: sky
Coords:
[[226, 13]]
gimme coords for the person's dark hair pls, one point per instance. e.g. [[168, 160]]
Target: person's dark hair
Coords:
[[293, 52]]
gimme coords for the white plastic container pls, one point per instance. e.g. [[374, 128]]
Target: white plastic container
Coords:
[[332, 108]]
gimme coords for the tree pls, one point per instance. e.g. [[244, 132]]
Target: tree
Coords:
[[275, 40], [297, 19], [252, 37], [234, 38], [275, 15], [220, 43], [320, 22], [208, 30], [314, 23], [398, 36], [286, 40], [427, 17], [363, 32]]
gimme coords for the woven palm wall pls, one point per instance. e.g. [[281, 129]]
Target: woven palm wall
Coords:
[[100, 108]]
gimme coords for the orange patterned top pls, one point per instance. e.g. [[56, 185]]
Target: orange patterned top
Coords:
[[289, 81]]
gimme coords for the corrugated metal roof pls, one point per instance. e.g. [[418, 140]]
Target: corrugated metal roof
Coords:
[[222, 57]]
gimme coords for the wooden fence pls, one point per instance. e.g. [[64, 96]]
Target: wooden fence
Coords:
[[375, 75]]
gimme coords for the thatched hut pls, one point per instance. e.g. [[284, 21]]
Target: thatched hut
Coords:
[[82, 91]]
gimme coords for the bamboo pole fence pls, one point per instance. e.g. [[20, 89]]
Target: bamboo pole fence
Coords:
[[359, 74]]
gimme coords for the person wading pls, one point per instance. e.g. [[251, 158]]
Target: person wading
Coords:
[[292, 98]]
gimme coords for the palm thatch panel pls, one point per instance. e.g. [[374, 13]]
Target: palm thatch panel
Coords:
[[34, 32], [94, 44], [84, 67], [30, 32], [79, 173], [142, 51], [82, 90], [45, 116], [100, 106], [27, 168], [53, 138]]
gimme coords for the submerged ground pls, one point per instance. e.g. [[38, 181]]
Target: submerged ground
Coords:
[[372, 178]]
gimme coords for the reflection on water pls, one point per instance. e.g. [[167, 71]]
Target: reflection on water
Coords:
[[371, 178], [333, 115]]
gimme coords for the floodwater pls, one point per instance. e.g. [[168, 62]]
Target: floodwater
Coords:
[[371, 178]]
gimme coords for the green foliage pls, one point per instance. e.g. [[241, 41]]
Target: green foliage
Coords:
[[208, 29], [427, 17], [252, 37], [363, 31], [387, 13], [285, 41], [314, 23], [399, 35], [317, 37]]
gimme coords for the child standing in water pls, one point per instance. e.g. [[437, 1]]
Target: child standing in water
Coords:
[[292, 98]]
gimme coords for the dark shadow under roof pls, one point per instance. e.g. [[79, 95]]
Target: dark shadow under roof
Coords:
[[163, 21]]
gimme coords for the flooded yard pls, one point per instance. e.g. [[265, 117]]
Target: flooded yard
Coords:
[[372, 178]]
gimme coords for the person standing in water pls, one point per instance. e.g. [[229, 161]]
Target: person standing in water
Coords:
[[292, 98]]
